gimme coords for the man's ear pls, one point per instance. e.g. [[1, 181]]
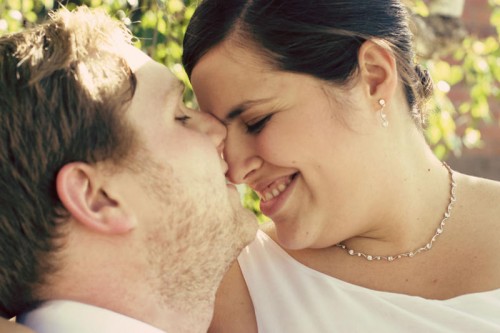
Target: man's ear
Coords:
[[378, 70], [81, 189]]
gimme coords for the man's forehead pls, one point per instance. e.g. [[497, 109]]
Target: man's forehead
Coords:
[[135, 58], [155, 82]]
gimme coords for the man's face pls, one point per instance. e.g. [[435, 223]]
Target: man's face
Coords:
[[192, 222]]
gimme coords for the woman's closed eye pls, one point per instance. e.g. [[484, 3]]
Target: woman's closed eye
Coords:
[[257, 127], [183, 119]]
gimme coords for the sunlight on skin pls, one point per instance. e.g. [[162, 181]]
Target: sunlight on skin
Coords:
[[135, 59]]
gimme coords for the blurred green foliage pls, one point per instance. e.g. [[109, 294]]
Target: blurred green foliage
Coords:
[[159, 26], [475, 68]]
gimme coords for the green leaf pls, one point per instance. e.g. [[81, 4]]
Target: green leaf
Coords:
[[175, 6], [441, 71], [419, 7], [456, 75], [472, 138]]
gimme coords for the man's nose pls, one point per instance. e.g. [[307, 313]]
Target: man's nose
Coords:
[[214, 129], [242, 159]]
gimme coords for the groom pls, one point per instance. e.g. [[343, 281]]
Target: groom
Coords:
[[114, 211]]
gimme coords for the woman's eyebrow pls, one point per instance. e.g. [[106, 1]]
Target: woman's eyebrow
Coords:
[[242, 107]]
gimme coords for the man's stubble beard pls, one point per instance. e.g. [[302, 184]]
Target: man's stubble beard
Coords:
[[198, 235]]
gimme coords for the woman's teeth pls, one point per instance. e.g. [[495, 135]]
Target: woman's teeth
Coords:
[[274, 190]]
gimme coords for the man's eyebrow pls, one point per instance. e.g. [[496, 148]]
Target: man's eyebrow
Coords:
[[242, 107], [177, 88]]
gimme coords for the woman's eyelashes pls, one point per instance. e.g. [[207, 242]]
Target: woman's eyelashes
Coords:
[[183, 119], [257, 127]]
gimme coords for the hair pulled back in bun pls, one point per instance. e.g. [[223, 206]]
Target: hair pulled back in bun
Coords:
[[320, 38]]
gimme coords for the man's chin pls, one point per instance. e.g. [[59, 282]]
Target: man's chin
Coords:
[[249, 226]]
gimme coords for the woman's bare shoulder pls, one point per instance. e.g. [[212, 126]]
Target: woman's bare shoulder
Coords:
[[477, 213], [234, 310], [479, 200]]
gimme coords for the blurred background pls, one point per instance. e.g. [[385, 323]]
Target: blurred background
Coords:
[[456, 40]]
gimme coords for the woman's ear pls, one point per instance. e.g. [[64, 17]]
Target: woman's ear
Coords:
[[378, 70], [81, 189]]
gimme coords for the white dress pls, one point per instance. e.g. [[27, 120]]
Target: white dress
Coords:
[[290, 297]]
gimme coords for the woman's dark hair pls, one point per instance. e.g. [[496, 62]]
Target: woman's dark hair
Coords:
[[315, 37]]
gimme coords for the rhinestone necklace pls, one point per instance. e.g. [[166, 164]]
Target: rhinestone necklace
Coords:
[[424, 248]]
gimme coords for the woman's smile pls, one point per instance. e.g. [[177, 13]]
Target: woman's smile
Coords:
[[274, 196]]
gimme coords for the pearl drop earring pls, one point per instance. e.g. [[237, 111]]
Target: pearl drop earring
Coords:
[[383, 116]]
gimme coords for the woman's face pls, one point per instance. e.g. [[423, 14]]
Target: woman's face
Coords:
[[295, 140]]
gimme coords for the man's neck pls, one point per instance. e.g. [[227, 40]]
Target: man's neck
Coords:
[[141, 303]]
